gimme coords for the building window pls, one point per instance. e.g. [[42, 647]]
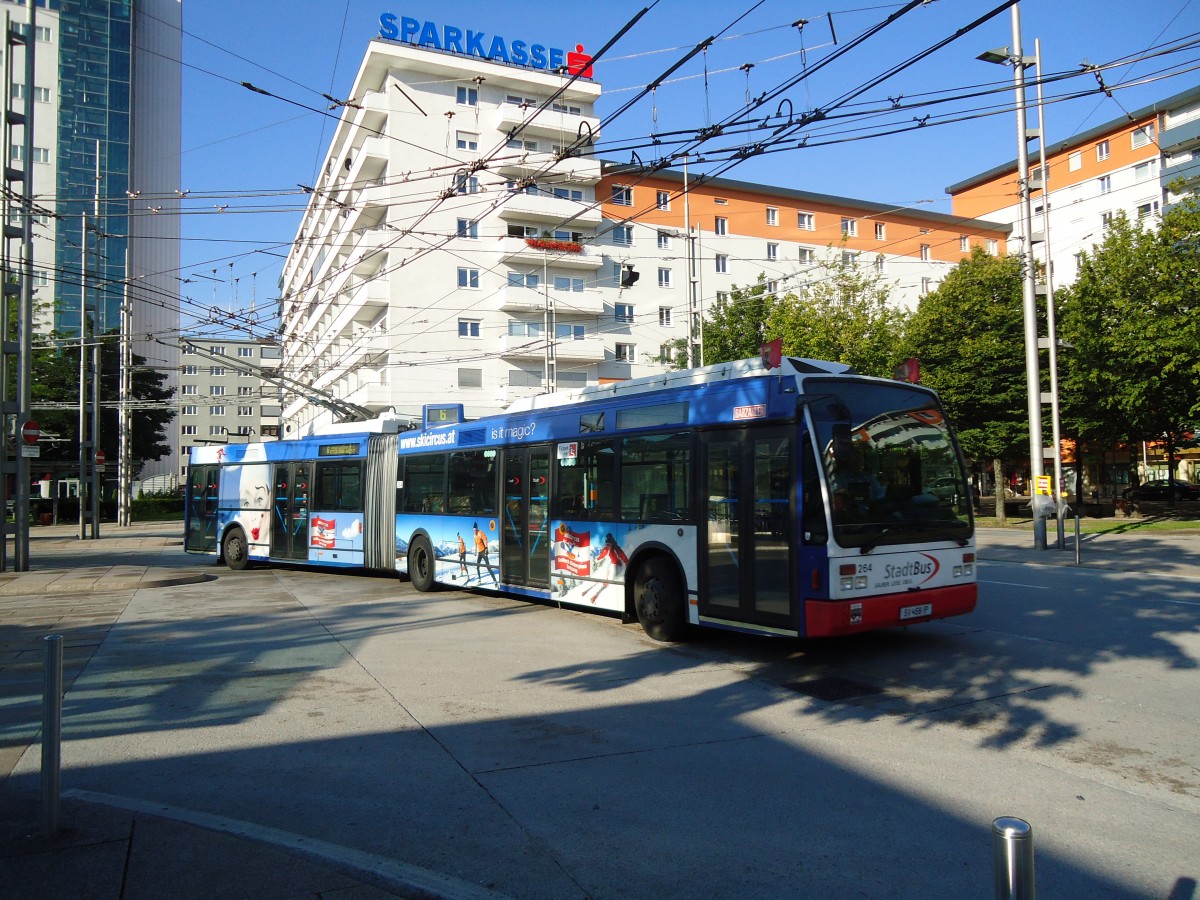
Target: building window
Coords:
[[622, 195], [467, 96], [246, 352], [216, 410], [1102, 151], [468, 328], [216, 351], [190, 370], [566, 283], [466, 140], [40, 94], [662, 199], [216, 390], [664, 240], [623, 312], [925, 257], [992, 247], [807, 256], [570, 332], [880, 231], [664, 278], [470, 378], [720, 225], [849, 258], [188, 430], [772, 287], [468, 278], [849, 227], [523, 280], [772, 215], [517, 328], [466, 184], [722, 297], [189, 390], [1106, 219], [1143, 136], [216, 430], [1145, 171], [245, 391], [623, 235], [520, 144], [626, 352], [664, 317], [772, 252], [245, 410], [568, 194], [1075, 162], [926, 286], [806, 221], [40, 154], [1149, 208], [468, 228], [722, 262], [1105, 183], [187, 410], [216, 371], [964, 244]]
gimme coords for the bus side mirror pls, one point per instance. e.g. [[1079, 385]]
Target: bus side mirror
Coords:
[[843, 444]]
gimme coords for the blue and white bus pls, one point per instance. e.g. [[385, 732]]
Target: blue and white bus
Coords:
[[803, 500]]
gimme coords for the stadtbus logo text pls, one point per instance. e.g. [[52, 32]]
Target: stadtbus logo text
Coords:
[[485, 46]]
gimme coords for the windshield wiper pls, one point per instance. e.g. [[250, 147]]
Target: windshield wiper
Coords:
[[873, 543]]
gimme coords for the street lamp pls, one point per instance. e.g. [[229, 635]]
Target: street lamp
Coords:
[[1033, 381]]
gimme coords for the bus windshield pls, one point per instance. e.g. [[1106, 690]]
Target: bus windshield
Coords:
[[892, 465]]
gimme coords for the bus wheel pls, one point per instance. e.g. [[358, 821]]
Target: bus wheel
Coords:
[[235, 550], [420, 564], [658, 599]]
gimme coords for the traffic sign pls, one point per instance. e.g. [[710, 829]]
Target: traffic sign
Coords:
[[30, 432], [99, 459]]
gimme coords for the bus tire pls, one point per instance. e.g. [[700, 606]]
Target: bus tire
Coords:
[[235, 550], [421, 568], [658, 600]]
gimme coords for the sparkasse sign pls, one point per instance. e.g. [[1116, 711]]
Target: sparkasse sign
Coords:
[[468, 42]]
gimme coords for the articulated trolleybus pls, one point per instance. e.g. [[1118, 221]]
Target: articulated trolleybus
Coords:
[[802, 500]]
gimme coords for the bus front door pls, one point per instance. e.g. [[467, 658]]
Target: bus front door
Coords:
[[525, 539], [289, 511], [747, 542], [201, 530]]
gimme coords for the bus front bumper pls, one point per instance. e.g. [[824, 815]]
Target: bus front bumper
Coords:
[[828, 618]]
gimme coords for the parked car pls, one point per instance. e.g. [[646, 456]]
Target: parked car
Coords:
[[1163, 489]]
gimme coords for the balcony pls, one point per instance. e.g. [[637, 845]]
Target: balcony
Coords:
[[376, 397], [555, 210], [1179, 136], [518, 164], [523, 347], [588, 302], [563, 127], [516, 250]]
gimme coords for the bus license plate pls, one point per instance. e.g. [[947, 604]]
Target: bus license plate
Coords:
[[916, 612]]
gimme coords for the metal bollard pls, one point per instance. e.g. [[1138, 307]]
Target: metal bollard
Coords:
[[52, 697], [1077, 548], [1012, 859]]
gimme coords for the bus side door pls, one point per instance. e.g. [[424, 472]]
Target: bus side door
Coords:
[[200, 532], [746, 543], [524, 538], [289, 510]]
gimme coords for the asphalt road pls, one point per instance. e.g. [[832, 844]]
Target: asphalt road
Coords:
[[548, 753]]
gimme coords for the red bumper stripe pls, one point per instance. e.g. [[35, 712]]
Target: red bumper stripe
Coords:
[[826, 618]]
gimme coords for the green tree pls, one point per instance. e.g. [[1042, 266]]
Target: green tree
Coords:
[[735, 326], [1133, 319], [969, 337], [56, 381], [843, 315]]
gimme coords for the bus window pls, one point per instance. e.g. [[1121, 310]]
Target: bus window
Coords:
[[339, 486], [812, 501], [654, 477], [473, 482], [425, 484], [584, 485]]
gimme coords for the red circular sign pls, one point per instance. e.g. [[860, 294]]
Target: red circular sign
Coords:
[[30, 432], [99, 457]]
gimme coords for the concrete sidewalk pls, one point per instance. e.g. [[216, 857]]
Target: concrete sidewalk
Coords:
[[110, 847]]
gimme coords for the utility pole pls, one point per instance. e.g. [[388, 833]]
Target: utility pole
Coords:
[[125, 428]]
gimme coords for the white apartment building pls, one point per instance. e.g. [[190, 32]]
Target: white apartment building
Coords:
[[1121, 166], [225, 393], [456, 249]]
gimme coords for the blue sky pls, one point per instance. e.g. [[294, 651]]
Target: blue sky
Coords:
[[248, 152]]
